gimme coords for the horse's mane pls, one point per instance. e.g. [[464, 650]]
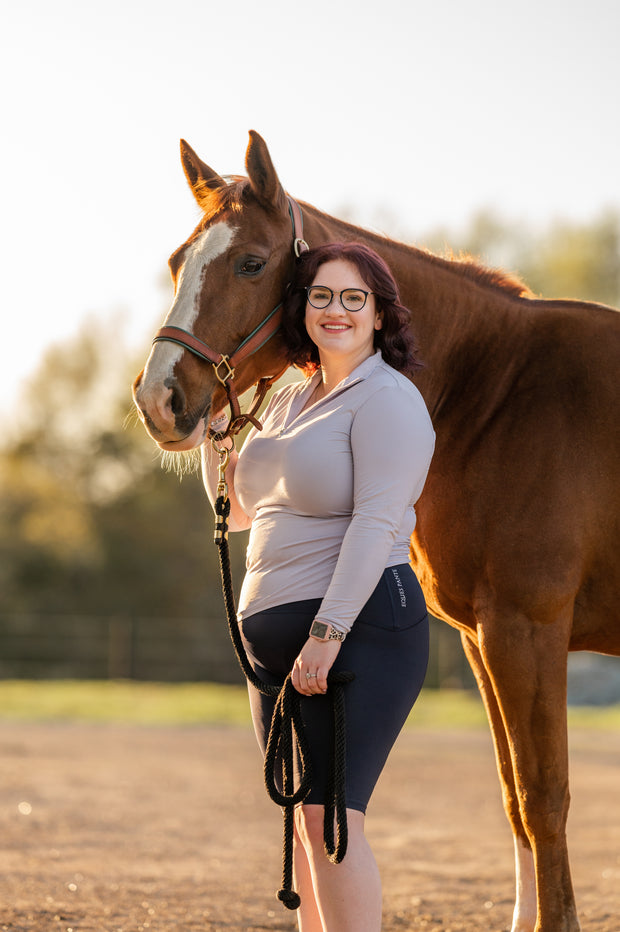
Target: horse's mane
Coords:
[[471, 268]]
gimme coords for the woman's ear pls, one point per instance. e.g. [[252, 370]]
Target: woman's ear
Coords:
[[378, 320]]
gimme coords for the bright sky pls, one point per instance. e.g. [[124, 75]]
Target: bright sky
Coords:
[[416, 111]]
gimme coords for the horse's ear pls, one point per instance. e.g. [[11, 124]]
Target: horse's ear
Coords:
[[263, 178], [201, 179]]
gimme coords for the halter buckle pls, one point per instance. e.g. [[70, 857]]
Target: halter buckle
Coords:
[[230, 374], [299, 246]]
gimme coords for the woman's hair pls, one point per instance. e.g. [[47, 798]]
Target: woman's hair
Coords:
[[394, 339]]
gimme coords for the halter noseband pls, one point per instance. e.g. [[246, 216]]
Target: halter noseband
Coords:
[[224, 365]]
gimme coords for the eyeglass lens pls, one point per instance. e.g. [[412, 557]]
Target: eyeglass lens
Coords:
[[352, 299]]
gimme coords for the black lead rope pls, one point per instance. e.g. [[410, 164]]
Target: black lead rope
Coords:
[[287, 733]]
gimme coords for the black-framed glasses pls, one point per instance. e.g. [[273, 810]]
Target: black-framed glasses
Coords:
[[352, 299]]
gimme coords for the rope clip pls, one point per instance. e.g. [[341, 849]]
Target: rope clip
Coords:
[[222, 504], [224, 455]]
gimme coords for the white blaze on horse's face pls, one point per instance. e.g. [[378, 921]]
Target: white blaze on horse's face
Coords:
[[186, 305]]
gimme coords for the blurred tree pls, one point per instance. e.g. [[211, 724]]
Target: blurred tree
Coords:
[[577, 261], [566, 260], [89, 522]]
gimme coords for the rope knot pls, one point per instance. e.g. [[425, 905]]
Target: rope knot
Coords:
[[290, 899]]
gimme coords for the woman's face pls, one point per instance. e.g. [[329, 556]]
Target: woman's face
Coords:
[[343, 337]]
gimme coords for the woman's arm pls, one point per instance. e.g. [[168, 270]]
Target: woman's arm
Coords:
[[392, 442], [392, 445]]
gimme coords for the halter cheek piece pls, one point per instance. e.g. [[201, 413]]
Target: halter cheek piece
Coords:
[[224, 365]]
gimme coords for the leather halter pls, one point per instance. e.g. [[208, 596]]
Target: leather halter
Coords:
[[224, 365]]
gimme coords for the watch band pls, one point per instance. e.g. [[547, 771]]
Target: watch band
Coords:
[[323, 631]]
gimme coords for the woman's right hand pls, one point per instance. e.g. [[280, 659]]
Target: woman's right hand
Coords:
[[312, 666]]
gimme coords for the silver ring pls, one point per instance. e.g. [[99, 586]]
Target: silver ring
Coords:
[[310, 675]]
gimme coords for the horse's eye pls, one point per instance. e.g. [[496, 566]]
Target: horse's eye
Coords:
[[251, 266]]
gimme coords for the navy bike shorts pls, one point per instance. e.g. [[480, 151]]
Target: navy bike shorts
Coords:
[[386, 649]]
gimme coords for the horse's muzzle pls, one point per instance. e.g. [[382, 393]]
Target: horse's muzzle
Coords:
[[163, 410]]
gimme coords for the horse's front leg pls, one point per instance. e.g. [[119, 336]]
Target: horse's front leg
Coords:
[[525, 911], [526, 666]]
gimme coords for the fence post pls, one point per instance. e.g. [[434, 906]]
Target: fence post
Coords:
[[120, 647]]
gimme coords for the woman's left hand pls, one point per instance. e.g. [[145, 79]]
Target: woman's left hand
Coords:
[[309, 673]]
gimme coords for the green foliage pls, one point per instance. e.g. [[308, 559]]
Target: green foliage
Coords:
[[90, 524], [578, 261], [567, 260]]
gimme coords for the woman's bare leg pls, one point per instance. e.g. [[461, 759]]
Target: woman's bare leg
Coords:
[[308, 916], [347, 895]]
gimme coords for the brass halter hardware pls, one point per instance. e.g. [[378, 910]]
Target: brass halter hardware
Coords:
[[230, 374]]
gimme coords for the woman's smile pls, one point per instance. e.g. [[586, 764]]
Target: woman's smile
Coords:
[[344, 338]]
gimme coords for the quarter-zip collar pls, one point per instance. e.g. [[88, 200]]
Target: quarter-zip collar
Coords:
[[361, 372]]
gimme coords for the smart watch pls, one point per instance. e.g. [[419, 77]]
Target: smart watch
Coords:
[[323, 631]]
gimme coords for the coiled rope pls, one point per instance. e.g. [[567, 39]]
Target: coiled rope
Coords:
[[287, 733]]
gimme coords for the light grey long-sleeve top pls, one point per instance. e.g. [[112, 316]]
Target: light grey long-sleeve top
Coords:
[[331, 490]]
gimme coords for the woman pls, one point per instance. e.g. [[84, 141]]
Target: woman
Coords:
[[328, 488]]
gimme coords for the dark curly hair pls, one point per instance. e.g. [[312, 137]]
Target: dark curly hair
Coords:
[[394, 339]]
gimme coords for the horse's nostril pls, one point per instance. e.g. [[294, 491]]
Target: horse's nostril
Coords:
[[177, 401]]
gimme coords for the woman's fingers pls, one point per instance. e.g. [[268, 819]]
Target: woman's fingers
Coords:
[[310, 670], [321, 681], [307, 681]]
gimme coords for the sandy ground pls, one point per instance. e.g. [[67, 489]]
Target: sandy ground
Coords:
[[124, 829]]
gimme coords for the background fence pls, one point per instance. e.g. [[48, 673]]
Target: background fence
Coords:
[[35, 646], [161, 649]]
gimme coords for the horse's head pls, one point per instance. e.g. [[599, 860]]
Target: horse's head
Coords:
[[228, 276]]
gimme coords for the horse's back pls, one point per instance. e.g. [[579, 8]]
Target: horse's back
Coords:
[[544, 409], [575, 377]]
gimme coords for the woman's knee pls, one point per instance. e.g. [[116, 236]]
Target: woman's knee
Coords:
[[309, 825]]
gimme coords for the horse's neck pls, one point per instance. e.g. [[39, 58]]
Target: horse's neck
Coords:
[[452, 312]]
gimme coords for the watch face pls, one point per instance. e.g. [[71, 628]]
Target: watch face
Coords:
[[319, 629]]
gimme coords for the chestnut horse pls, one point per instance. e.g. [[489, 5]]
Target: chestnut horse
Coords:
[[518, 529]]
